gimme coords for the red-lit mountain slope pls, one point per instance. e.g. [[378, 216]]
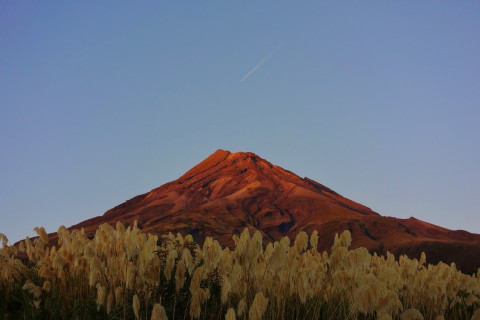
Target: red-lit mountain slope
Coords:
[[227, 192]]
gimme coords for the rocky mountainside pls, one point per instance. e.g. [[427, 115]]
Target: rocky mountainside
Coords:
[[227, 192]]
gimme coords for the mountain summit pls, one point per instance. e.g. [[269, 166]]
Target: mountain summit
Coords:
[[228, 192]]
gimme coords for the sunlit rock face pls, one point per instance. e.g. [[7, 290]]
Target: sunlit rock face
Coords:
[[228, 192]]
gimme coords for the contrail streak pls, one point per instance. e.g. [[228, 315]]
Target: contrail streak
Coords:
[[259, 64]]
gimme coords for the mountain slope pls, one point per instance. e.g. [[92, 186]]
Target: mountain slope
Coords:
[[227, 192]]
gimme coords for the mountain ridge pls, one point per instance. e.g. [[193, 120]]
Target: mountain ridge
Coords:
[[227, 192]]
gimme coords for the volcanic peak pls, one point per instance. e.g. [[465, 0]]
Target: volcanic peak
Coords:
[[245, 166], [228, 192]]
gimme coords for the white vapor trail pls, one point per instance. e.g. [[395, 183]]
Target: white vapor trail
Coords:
[[259, 64]]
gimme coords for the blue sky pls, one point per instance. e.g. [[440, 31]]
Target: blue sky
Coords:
[[104, 100]]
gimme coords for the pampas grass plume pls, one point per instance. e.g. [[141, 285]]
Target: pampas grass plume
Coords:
[[46, 286], [172, 255], [58, 262], [101, 295], [179, 276], [384, 316], [230, 314], [36, 291], [136, 306], [258, 307], [226, 288], [118, 295], [41, 233], [241, 308], [411, 314], [29, 285], [109, 301], [158, 312], [314, 240], [301, 241], [188, 260]]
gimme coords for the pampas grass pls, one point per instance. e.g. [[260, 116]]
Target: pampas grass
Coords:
[[124, 273]]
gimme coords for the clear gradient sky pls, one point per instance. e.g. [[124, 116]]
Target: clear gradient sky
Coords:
[[104, 100]]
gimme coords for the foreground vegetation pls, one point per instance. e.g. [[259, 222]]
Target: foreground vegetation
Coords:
[[127, 274]]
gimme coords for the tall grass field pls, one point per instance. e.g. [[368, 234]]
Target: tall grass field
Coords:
[[124, 273]]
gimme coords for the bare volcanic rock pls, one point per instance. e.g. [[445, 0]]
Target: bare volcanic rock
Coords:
[[228, 192]]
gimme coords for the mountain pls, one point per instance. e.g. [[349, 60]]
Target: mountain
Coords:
[[228, 192]]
